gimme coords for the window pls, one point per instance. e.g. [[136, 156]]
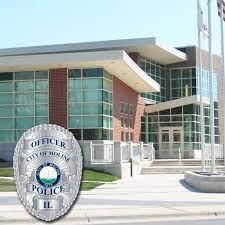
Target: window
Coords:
[[131, 109], [122, 107], [127, 136], [131, 123], [89, 106], [95, 72], [132, 136], [6, 76], [76, 73], [23, 102], [122, 136], [127, 122], [126, 108], [122, 121]]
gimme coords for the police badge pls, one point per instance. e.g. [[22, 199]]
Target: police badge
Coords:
[[47, 168]]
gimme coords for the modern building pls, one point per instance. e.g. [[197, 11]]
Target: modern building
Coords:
[[119, 91]]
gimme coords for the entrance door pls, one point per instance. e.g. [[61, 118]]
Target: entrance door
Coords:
[[171, 140]]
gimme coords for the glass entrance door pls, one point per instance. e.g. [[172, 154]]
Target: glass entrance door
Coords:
[[171, 140]]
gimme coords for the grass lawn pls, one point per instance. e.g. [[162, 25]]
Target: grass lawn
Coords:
[[6, 172], [94, 175], [88, 175], [7, 185]]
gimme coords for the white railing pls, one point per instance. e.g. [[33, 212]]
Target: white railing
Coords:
[[147, 151], [118, 152], [102, 153], [125, 152], [218, 151]]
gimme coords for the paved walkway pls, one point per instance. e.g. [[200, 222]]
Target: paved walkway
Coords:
[[144, 196]]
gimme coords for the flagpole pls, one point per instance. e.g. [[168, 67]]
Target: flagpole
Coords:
[[223, 75], [213, 166], [200, 91]]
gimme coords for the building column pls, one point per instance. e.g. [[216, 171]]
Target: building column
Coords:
[[58, 96]]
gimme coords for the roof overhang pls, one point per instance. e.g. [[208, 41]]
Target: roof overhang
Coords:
[[156, 50], [117, 62], [148, 47], [195, 99]]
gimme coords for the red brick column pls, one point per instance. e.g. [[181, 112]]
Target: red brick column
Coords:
[[123, 93], [58, 96]]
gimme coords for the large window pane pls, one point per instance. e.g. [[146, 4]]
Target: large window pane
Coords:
[[76, 73], [75, 84], [107, 134], [107, 122], [24, 110], [92, 83], [24, 122], [41, 75], [107, 109], [188, 109], [92, 96], [41, 85], [6, 76], [92, 134], [6, 86], [41, 98], [177, 110], [6, 98], [175, 74], [74, 121], [74, 109], [26, 75], [6, 111], [92, 121], [76, 133], [176, 93], [107, 85], [107, 96], [107, 75], [41, 120], [24, 98], [92, 109], [24, 86], [6, 136], [6, 123], [18, 134], [74, 96], [186, 73], [95, 72], [41, 110]]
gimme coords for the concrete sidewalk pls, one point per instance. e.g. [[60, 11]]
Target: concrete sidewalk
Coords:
[[142, 197]]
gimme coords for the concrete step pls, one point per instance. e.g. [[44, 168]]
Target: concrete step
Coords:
[[174, 169], [184, 162]]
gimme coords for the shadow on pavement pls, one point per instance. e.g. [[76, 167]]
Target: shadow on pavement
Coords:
[[188, 187]]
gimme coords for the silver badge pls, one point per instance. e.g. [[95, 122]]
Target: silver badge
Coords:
[[47, 167]]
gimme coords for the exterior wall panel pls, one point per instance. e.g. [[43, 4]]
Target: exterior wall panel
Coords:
[[123, 93]]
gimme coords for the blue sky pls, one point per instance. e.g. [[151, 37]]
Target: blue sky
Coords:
[[39, 22]]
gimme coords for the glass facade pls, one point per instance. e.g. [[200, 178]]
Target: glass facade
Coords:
[[90, 104], [23, 103], [157, 72], [184, 82], [187, 117]]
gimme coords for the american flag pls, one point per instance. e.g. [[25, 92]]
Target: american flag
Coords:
[[219, 5]]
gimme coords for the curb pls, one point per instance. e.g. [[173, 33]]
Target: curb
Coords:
[[125, 218]]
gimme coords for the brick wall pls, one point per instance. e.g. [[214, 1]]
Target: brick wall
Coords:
[[58, 96], [123, 93]]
